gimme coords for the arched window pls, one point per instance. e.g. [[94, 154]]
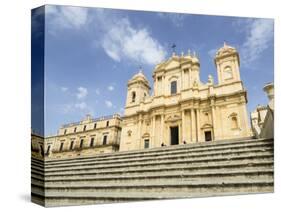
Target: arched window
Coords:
[[234, 122], [133, 96], [173, 87]]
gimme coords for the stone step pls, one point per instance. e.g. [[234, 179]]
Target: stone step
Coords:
[[261, 148], [160, 187], [180, 176], [80, 200], [207, 167], [182, 171], [106, 197], [164, 150], [163, 158], [167, 161]]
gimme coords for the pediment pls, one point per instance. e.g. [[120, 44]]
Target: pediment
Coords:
[[171, 64], [206, 126], [145, 135], [173, 118]]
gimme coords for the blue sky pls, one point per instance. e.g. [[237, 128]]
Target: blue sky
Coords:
[[90, 54]]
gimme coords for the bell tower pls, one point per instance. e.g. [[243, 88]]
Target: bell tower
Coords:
[[138, 89], [228, 65]]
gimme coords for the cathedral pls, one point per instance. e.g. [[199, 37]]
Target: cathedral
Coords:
[[183, 110], [180, 110]]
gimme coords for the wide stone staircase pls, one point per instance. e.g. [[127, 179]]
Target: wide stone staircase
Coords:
[[181, 171]]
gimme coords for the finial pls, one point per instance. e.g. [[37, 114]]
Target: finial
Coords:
[[188, 52], [194, 54], [224, 44], [210, 79], [182, 53]]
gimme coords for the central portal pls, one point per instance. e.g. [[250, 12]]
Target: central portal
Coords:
[[174, 135]]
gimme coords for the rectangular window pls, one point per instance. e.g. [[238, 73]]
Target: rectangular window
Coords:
[[75, 129], [84, 129], [65, 131], [92, 142], [104, 139], [107, 123], [81, 143], [146, 143], [61, 146], [174, 87], [71, 145], [95, 125]]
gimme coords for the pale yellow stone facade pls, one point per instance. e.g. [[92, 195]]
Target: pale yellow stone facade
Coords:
[[37, 146], [85, 138], [182, 109], [262, 118]]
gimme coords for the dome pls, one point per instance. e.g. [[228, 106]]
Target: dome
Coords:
[[226, 49], [139, 76]]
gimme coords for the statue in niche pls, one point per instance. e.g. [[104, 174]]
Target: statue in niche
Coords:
[[195, 83]]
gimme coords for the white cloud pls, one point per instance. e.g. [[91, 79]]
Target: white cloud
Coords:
[[97, 91], [74, 107], [81, 105], [66, 108], [119, 39], [82, 93], [110, 88], [108, 103], [65, 17], [64, 89], [259, 36], [122, 42]]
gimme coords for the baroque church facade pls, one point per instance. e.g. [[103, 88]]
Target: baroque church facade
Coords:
[[182, 109]]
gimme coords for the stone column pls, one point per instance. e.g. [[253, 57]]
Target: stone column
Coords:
[[183, 121], [193, 126], [214, 121], [139, 131], [153, 132], [189, 76], [198, 125], [162, 129]]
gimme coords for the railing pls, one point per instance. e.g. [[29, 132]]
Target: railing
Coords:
[[93, 120]]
